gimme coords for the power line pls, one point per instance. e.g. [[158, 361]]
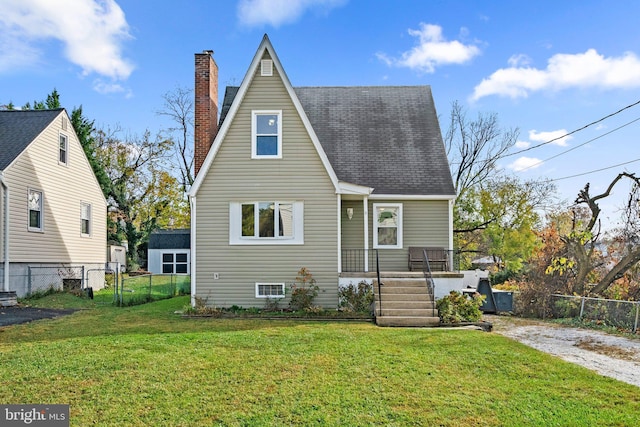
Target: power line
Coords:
[[594, 171], [574, 131], [581, 145]]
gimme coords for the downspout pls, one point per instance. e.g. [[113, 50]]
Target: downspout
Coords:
[[5, 210], [192, 200]]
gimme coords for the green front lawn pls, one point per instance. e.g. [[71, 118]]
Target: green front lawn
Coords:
[[145, 365]]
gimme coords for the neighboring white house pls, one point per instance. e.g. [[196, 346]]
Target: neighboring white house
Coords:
[[53, 212], [169, 252]]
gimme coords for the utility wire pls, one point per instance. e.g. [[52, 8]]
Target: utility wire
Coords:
[[594, 171], [574, 131], [578, 146]]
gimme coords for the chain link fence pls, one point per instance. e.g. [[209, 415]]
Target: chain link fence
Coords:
[[616, 313], [135, 290]]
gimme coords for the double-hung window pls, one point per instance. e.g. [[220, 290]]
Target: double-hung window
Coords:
[[85, 219], [266, 134], [266, 222], [63, 151], [35, 207], [387, 229]]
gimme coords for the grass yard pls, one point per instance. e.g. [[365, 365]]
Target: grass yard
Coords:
[[145, 366]]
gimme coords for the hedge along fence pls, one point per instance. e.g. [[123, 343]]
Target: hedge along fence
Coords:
[[616, 313], [145, 288]]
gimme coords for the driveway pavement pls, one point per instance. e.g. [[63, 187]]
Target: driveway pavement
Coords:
[[17, 314]]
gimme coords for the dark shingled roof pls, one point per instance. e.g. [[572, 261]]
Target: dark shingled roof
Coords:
[[385, 137], [19, 128], [170, 239]]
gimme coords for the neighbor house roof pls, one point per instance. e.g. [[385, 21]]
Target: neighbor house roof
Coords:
[[384, 137], [170, 239], [18, 128]]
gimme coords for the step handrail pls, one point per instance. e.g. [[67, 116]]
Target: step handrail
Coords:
[[428, 276], [379, 283]]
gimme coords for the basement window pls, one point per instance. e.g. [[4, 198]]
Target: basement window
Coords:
[[269, 290]]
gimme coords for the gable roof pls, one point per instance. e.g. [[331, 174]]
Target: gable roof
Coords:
[[18, 128], [265, 46], [384, 137], [170, 239]]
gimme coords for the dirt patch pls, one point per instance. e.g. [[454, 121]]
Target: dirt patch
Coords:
[[17, 315], [610, 355]]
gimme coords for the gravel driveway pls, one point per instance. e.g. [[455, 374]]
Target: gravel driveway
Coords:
[[609, 355]]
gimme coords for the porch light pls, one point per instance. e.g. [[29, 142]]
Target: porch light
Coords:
[[349, 213]]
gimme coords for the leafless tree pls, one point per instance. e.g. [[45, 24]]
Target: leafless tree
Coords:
[[178, 106]]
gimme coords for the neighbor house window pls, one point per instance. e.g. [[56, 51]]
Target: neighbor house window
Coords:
[[387, 228], [35, 210], [266, 222], [269, 290], [85, 219], [266, 135], [63, 150], [175, 263]]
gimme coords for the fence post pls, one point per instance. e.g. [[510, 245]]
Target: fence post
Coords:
[[582, 306], [121, 289], [635, 326], [150, 276], [82, 282]]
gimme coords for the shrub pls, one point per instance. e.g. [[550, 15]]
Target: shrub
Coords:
[[202, 309], [303, 290], [356, 298], [456, 308], [271, 304]]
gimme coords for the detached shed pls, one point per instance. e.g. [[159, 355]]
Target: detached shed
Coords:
[[169, 251]]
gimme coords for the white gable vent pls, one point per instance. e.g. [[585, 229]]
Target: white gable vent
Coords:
[[64, 123], [266, 67]]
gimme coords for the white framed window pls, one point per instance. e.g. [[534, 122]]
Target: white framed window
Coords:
[[63, 150], [35, 208], [387, 226], [266, 134], [85, 219], [175, 263], [269, 290], [266, 222]]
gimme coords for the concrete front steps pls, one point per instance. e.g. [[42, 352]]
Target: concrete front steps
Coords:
[[405, 302]]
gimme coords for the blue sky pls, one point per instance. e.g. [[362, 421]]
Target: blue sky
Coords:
[[546, 67]]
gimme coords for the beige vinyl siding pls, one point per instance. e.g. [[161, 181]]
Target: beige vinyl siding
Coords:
[[424, 223], [64, 188], [235, 177]]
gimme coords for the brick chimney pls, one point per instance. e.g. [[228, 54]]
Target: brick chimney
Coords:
[[206, 106]]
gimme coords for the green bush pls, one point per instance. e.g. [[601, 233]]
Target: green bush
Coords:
[[456, 308], [356, 298], [303, 291]]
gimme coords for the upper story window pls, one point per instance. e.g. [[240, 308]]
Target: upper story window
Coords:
[[35, 211], [63, 151], [85, 219], [266, 135], [387, 227]]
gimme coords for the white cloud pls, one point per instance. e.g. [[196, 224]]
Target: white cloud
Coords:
[[432, 50], [278, 12], [91, 32], [582, 70], [522, 144], [550, 135], [523, 163]]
